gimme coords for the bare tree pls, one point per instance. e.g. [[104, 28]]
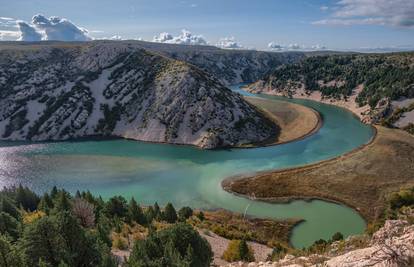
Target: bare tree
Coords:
[[84, 211]]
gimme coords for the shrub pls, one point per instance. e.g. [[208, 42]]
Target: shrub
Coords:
[[119, 243], [337, 236], [238, 250], [184, 213]]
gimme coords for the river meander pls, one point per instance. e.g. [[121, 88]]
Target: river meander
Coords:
[[186, 175]]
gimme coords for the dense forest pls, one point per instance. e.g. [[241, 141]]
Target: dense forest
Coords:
[[383, 76], [58, 229]]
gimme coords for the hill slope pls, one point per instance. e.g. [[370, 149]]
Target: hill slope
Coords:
[[61, 91], [377, 82]]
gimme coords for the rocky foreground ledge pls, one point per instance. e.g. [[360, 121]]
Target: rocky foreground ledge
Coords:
[[392, 245]]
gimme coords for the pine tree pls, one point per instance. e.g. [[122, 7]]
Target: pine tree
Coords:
[[7, 206], [10, 256], [62, 202], [9, 225], [157, 212], [170, 215], [46, 203], [42, 241], [54, 192], [26, 198], [135, 212]]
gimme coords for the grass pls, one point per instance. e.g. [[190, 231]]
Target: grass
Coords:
[[362, 179], [233, 226]]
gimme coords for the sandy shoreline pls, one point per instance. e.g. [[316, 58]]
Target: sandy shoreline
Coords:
[[306, 123]]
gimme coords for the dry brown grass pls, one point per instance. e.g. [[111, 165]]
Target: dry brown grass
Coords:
[[361, 179], [234, 226]]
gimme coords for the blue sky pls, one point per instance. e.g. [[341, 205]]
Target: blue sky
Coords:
[[336, 24]]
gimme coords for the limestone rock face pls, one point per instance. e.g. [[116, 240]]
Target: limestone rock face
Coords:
[[63, 91]]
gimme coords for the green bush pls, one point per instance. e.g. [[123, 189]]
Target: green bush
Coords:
[[238, 250]]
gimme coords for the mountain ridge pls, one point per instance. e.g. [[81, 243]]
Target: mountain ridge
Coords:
[[65, 91]]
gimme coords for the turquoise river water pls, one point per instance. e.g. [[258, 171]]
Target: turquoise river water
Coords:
[[186, 175]]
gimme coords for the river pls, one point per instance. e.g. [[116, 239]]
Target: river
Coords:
[[188, 176]]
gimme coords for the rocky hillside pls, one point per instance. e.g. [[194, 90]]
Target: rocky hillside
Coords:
[[392, 245], [62, 90], [229, 66], [373, 84]]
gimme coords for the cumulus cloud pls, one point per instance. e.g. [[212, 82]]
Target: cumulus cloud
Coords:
[[229, 43], [42, 28], [186, 38], [28, 33], [275, 46], [372, 12]]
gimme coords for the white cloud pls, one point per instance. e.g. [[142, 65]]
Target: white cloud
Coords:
[[273, 46], [318, 47], [116, 38], [295, 47], [28, 33], [324, 8], [42, 28], [229, 43], [186, 38], [372, 12]]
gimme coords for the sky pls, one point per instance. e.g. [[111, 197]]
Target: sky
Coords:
[[276, 25]]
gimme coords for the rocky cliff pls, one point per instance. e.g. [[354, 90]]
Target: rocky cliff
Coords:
[[58, 91], [390, 246]]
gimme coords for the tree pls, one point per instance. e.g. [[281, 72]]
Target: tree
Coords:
[[42, 241], [62, 202], [135, 212], [26, 198], [238, 250], [184, 213], [10, 256], [104, 230], [46, 203], [7, 206], [178, 245], [54, 192], [157, 212], [170, 215], [116, 206], [149, 214], [9, 225], [246, 253], [84, 212]]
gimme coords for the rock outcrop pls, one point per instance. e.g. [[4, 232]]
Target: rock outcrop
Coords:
[[58, 91], [390, 246]]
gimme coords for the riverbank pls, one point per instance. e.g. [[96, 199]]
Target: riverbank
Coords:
[[349, 104], [295, 121], [361, 179]]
